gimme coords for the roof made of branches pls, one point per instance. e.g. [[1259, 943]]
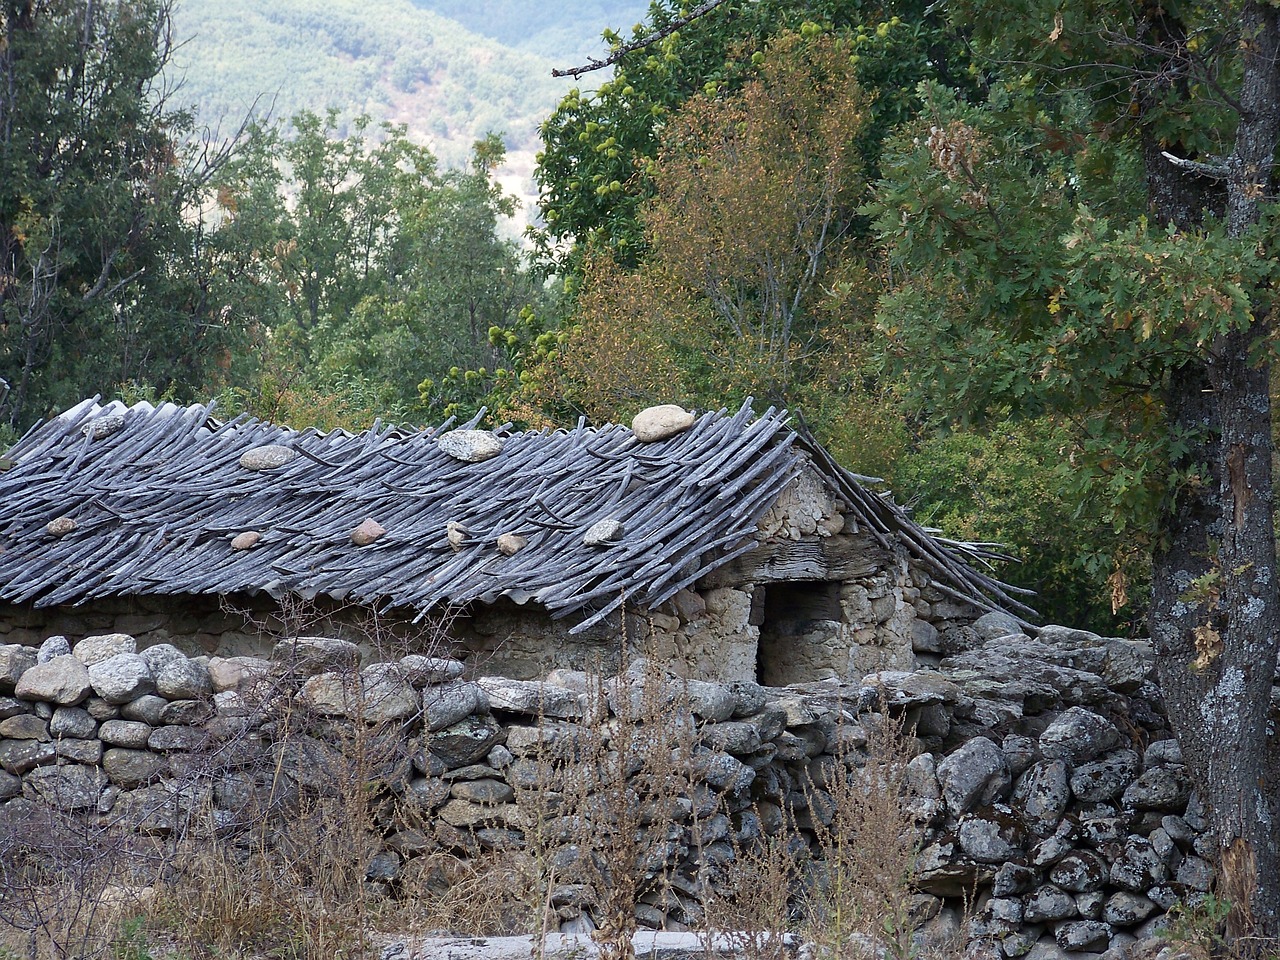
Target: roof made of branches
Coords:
[[115, 501]]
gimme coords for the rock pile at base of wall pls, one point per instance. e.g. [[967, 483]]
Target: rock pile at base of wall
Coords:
[[1050, 794]]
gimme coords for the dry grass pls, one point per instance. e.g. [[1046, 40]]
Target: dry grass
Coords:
[[858, 897]]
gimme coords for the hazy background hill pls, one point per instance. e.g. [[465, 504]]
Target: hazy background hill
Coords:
[[449, 70]]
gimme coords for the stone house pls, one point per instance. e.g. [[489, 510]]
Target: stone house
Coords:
[[726, 543]]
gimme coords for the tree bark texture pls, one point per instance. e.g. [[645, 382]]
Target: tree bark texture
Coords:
[[1214, 615]]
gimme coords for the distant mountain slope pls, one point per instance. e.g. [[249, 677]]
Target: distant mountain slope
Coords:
[[387, 58], [395, 60], [558, 30]]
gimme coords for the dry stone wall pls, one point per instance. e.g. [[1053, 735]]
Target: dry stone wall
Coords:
[[1050, 795]]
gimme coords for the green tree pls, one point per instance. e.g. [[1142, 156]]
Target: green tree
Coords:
[[316, 223], [752, 283], [362, 270], [1094, 237], [596, 170], [102, 273]]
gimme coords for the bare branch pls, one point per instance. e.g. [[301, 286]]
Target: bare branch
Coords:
[[701, 10], [1214, 171]]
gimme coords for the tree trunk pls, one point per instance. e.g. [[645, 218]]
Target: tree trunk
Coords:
[[1214, 614]]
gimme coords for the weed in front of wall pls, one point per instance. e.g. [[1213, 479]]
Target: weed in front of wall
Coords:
[[857, 896]]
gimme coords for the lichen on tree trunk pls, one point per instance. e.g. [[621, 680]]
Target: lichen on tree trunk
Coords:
[[1214, 615]]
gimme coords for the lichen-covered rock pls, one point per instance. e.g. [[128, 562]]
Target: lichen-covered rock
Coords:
[[15, 660], [1124, 909], [72, 722], [158, 654], [428, 792], [1105, 779], [738, 737], [1082, 935], [487, 790], [183, 679], [1078, 735], [386, 694], [446, 704], [1195, 873], [465, 814], [660, 422], [186, 712], [1042, 794], [71, 787], [146, 709], [100, 710], [422, 671], [1099, 832], [1128, 664], [121, 678], [307, 656], [470, 446], [267, 457], [26, 726], [1047, 903], [175, 737], [1138, 867], [604, 532], [723, 772], [1020, 752], [1160, 788], [532, 698], [329, 694], [19, 756], [465, 741], [239, 673], [62, 680], [993, 836], [1079, 871], [1053, 848], [55, 646], [130, 734], [79, 751], [1011, 879], [942, 869], [1162, 752], [996, 624], [713, 702], [974, 775], [101, 647]]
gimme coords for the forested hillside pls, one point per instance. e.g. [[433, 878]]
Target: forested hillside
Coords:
[[449, 72], [386, 58], [561, 30]]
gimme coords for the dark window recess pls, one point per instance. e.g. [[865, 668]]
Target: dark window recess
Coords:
[[788, 611]]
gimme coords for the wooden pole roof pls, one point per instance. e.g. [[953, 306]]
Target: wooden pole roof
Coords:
[[107, 501]]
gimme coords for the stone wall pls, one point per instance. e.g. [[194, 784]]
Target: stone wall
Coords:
[[1049, 792], [775, 631]]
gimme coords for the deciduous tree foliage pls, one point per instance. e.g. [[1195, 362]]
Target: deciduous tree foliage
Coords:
[[1095, 237], [102, 277], [596, 169], [751, 284], [362, 268]]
